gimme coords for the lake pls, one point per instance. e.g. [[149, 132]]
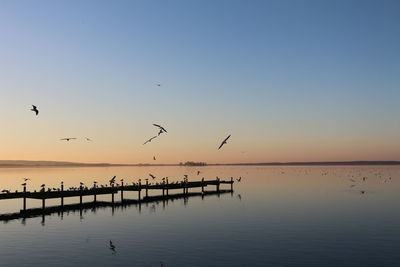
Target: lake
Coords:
[[276, 216]]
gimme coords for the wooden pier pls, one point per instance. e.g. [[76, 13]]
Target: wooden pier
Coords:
[[94, 191]]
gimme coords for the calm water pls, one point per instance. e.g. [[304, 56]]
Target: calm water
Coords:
[[277, 216]]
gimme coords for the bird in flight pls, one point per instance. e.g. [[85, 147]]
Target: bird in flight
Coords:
[[34, 109], [158, 84], [26, 179], [162, 129], [152, 176], [112, 180], [23, 184], [148, 141], [240, 179], [224, 142], [198, 172], [68, 138], [88, 139]]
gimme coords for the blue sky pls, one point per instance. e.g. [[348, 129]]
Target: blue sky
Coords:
[[290, 80]]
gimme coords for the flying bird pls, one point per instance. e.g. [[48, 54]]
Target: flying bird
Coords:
[[224, 142], [112, 247], [240, 179], [158, 84], [26, 179], [198, 172], [23, 184], [162, 129], [112, 180], [88, 139], [34, 109], [68, 138], [152, 176], [148, 141]]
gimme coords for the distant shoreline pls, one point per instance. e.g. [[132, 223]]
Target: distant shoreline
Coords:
[[56, 164]]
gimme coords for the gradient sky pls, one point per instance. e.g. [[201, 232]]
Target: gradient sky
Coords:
[[290, 80]]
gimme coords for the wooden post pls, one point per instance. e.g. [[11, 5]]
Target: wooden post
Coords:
[[94, 192], [218, 185], [43, 202], [62, 194], [122, 190], [167, 187], [112, 193], [202, 185], [140, 189], [24, 202], [147, 190], [80, 197], [231, 183]]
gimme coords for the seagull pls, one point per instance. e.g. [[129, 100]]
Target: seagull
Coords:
[[240, 179], [68, 138], [198, 172], [34, 109], [88, 139], [112, 180], [148, 141], [26, 179], [152, 176], [162, 129], [224, 142]]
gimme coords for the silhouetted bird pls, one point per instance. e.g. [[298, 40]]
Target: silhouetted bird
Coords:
[[34, 109], [68, 138], [158, 84], [224, 142], [240, 179], [148, 141], [112, 247], [154, 158], [162, 129], [198, 172], [26, 179], [88, 139], [23, 184], [112, 180], [5, 191], [152, 176]]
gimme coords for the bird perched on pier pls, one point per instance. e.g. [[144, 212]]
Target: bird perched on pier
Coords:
[[162, 129], [112, 180], [43, 185], [5, 191], [34, 109], [224, 142], [68, 138], [148, 141], [152, 176]]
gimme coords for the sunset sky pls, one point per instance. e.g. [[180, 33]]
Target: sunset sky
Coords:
[[289, 80]]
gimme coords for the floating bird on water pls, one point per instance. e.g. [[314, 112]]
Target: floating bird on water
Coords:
[[224, 142], [68, 138], [34, 109], [112, 247], [148, 141], [162, 129], [152, 176]]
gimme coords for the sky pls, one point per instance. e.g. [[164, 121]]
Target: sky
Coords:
[[289, 80]]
